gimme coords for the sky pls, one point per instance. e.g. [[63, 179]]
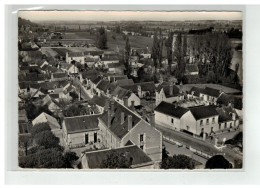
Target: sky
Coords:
[[126, 15]]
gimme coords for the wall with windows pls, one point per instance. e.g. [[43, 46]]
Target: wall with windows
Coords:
[[147, 138], [83, 138], [188, 123], [108, 139], [207, 125], [167, 121]]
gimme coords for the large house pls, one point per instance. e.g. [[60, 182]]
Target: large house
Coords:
[[167, 92], [69, 68], [80, 131], [199, 120], [119, 125], [124, 96], [115, 128], [142, 89], [75, 56]]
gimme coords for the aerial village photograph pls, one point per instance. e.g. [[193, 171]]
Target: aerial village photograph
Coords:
[[130, 90]]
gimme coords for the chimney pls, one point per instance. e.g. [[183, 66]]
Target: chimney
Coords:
[[122, 117], [108, 117], [171, 89], [125, 99], [132, 107], [152, 119], [130, 122]]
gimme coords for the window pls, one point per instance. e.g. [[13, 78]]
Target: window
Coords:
[[95, 137], [142, 147], [201, 122], [225, 125], [230, 125], [207, 121], [141, 137], [172, 121], [213, 120], [86, 138]]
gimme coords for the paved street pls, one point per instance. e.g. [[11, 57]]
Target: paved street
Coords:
[[188, 140], [203, 146], [173, 149], [80, 89]]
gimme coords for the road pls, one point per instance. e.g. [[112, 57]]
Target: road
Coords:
[[173, 149], [201, 145], [81, 89]]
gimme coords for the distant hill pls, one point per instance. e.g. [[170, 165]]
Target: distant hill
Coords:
[[25, 22]]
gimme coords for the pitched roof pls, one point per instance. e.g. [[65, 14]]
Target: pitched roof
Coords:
[[121, 92], [81, 123], [166, 89], [103, 85], [124, 82], [99, 100], [120, 130], [110, 57], [65, 66], [93, 52], [53, 123], [75, 54], [200, 112], [211, 92], [224, 115], [196, 91], [225, 99], [96, 80], [60, 75], [171, 109], [91, 74], [138, 157], [191, 68], [115, 65], [145, 86]]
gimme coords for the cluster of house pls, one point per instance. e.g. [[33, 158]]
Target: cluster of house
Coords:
[[198, 111]]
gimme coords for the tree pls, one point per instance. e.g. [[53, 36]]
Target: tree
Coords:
[[45, 158], [102, 38], [178, 162], [40, 127], [218, 162], [46, 139], [157, 49], [184, 47], [68, 158], [116, 160], [168, 45], [178, 56], [127, 55]]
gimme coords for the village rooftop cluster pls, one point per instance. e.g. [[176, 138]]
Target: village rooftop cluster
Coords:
[[130, 95]]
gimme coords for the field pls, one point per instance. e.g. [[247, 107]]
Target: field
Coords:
[[135, 41]]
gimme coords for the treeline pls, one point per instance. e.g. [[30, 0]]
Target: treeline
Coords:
[[201, 31], [234, 33]]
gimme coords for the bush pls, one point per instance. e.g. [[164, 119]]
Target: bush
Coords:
[[40, 127], [218, 162], [178, 162], [46, 139]]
